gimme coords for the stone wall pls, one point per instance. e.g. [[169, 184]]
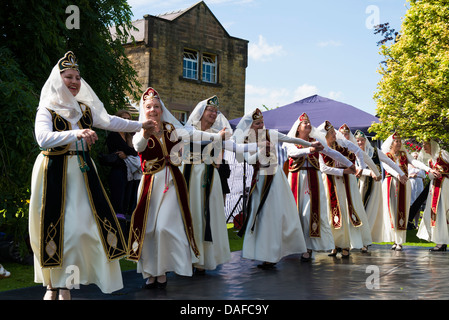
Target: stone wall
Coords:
[[159, 60]]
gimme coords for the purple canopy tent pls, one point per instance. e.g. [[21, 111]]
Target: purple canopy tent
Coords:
[[319, 109]]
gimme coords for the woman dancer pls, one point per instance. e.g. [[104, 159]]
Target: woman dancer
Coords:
[[306, 183], [72, 222], [272, 227], [341, 192], [370, 186], [396, 194], [344, 132], [205, 192], [434, 225]]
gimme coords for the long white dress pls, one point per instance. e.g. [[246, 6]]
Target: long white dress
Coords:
[[83, 250], [437, 232], [325, 240], [217, 251], [347, 235], [374, 201], [166, 246], [276, 232], [391, 200]]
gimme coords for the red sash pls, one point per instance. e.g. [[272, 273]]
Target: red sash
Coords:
[[401, 218], [314, 187], [335, 206], [443, 167], [155, 158]]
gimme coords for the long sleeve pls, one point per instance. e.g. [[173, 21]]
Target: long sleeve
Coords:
[[46, 137], [139, 142], [330, 170], [359, 153], [384, 159], [417, 164], [118, 124], [294, 152], [280, 137], [337, 156]]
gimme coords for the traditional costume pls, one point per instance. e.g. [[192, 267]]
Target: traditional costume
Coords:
[[371, 190], [344, 205], [396, 196], [434, 224], [272, 228], [161, 237], [72, 222], [344, 133], [205, 192], [306, 183]]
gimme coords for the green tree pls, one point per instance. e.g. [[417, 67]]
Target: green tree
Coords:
[[413, 95], [33, 36]]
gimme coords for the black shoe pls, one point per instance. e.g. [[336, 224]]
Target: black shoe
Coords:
[[334, 252], [266, 265], [200, 272], [149, 286], [307, 259], [161, 285], [439, 248]]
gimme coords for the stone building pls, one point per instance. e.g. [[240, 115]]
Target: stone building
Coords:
[[188, 56]]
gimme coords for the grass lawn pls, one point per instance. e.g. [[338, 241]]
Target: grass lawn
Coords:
[[22, 275]]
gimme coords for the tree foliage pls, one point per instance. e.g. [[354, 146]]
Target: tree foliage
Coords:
[[413, 95], [33, 37]]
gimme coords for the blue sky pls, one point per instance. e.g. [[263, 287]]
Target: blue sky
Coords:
[[303, 47]]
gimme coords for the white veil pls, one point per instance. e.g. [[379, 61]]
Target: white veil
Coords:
[[242, 129], [56, 96], [369, 149], [424, 157], [166, 116], [386, 146], [197, 113], [314, 133]]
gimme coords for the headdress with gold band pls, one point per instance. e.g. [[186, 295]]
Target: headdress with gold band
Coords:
[[396, 136], [213, 102], [359, 134], [67, 62], [150, 94], [303, 117], [257, 115], [344, 129], [328, 126]]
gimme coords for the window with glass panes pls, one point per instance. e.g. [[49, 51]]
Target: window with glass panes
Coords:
[[190, 65], [209, 68]]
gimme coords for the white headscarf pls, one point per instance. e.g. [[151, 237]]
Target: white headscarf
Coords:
[[369, 149], [166, 114], [386, 146], [324, 128], [197, 113], [244, 125], [56, 96], [314, 133], [424, 157], [340, 135]]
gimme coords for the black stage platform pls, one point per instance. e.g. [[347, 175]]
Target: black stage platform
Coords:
[[380, 274]]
